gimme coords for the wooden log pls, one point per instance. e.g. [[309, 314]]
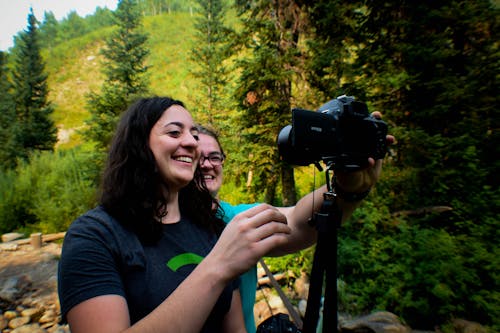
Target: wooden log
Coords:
[[423, 211], [36, 240], [265, 280], [45, 238]]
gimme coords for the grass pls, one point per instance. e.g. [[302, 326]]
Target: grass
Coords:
[[74, 69]]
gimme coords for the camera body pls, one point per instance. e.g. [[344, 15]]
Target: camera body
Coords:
[[342, 133]]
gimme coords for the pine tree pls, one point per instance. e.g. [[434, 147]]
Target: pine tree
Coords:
[[271, 32], [7, 118], [431, 67], [211, 50], [34, 129], [49, 30], [124, 68]]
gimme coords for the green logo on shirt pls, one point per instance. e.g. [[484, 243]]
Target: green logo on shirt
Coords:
[[184, 259]]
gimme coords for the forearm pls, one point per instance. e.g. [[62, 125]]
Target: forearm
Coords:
[[185, 310], [303, 233]]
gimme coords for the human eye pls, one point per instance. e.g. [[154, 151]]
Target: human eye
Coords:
[[196, 135], [175, 133], [215, 158]]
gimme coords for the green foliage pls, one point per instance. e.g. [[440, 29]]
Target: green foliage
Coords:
[[9, 219], [159, 7], [7, 118], [48, 193], [53, 33], [424, 274], [33, 129], [210, 52], [297, 264], [264, 90], [124, 69]]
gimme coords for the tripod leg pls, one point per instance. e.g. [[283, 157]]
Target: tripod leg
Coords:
[[315, 289]]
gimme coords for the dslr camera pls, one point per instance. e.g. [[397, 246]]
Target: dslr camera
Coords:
[[341, 133]]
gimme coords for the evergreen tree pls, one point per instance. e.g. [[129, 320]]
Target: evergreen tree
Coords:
[[72, 26], [34, 129], [124, 69], [49, 30], [332, 31], [7, 118], [271, 32], [431, 68], [211, 50]]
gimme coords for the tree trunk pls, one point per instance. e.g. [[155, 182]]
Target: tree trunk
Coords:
[[288, 186]]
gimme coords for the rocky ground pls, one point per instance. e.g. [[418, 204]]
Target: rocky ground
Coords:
[[28, 289]]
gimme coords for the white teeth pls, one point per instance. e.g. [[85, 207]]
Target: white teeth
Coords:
[[208, 177], [184, 159]]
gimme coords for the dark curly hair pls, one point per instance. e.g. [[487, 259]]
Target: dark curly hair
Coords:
[[130, 187]]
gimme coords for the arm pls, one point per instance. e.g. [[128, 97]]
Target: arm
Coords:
[[234, 322], [303, 235], [109, 313], [249, 237]]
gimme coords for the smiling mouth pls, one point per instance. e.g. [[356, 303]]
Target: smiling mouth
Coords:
[[208, 177], [184, 159]]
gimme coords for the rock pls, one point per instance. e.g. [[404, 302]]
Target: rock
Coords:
[[3, 323], [32, 328], [301, 286], [19, 321], [11, 236], [13, 287], [261, 311], [302, 307], [48, 317], [8, 246], [10, 314], [378, 322], [33, 313], [464, 326]]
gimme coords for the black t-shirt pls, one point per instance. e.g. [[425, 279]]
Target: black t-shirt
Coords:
[[101, 257]]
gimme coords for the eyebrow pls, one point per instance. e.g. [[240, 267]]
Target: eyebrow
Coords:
[[181, 125]]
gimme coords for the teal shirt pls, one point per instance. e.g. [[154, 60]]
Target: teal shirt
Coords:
[[248, 284]]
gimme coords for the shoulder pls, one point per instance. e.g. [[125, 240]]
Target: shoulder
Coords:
[[96, 228], [97, 221]]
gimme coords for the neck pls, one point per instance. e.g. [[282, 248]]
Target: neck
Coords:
[[174, 213]]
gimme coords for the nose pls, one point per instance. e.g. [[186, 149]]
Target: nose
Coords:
[[190, 141], [205, 162]]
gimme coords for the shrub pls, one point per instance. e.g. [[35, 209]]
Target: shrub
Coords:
[[49, 192]]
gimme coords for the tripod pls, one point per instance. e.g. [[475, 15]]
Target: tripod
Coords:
[[326, 221]]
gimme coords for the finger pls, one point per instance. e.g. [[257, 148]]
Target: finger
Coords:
[[265, 245], [377, 114], [254, 211], [269, 229], [264, 214]]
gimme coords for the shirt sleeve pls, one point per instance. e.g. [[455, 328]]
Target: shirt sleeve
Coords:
[[88, 266]]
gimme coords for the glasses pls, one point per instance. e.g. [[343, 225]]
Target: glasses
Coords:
[[214, 158]]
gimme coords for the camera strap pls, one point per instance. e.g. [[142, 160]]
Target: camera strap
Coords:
[[291, 310]]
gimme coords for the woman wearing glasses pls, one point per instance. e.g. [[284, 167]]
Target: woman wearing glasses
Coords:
[[302, 234]]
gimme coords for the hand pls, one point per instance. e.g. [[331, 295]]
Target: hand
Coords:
[[248, 237], [362, 180]]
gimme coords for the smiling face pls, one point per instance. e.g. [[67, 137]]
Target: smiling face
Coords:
[[213, 175], [174, 143]]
